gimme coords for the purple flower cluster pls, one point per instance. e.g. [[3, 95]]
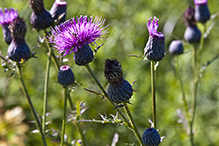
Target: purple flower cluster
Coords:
[[74, 33]]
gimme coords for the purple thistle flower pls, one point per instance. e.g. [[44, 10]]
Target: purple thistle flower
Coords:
[[9, 15], [153, 26], [74, 33], [155, 47], [5, 19]]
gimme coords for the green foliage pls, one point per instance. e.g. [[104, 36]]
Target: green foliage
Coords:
[[127, 35]]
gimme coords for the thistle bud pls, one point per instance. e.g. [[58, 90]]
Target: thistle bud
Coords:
[[58, 9], [176, 47], [151, 137], [192, 33], [202, 13], [155, 47], [119, 90], [18, 49], [83, 55], [40, 17], [66, 76]]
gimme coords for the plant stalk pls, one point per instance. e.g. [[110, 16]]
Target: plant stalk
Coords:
[[153, 93], [64, 117], [46, 90], [20, 76], [134, 126], [181, 83]]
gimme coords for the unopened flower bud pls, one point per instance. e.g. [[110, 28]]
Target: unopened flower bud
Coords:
[[151, 137], [66, 76], [176, 47], [202, 13], [58, 10], [192, 34], [40, 17], [120, 92], [18, 49]]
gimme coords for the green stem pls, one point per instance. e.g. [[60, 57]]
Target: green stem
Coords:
[[106, 95], [64, 117], [46, 90], [196, 68], [20, 76], [78, 125], [181, 83], [134, 126], [153, 93], [54, 58]]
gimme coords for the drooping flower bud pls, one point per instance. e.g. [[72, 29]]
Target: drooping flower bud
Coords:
[[83, 55], [5, 19], [155, 47], [18, 49], [58, 10], [66, 76], [40, 17], [151, 137], [120, 90], [202, 13], [176, 47]]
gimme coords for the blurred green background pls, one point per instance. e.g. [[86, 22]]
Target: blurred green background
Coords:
[[127, 36]]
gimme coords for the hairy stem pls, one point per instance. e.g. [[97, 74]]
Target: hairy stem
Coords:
[[20, 76]]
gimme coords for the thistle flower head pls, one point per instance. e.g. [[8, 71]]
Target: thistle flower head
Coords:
[[151, 137], [199, 2], [7, 17], [153, 26], [155, 47], [76, 32], [66, 76]]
